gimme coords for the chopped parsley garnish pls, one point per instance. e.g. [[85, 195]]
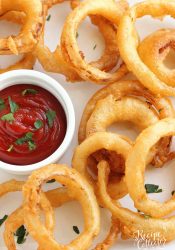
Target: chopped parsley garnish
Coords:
[[3, 219], [2, 104], [48, 17], [8, 117], [151, 188], [77, 35], [29, 91], [32, 145], [76, 229], [160, 110], [38, 124], [173, 192], [10, 148], [95, 46], [13, 106], [51, 181], [28, 137], [50, 114], [1, 101], [21, 234]]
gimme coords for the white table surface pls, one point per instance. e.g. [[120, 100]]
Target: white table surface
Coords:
[[70, 214]]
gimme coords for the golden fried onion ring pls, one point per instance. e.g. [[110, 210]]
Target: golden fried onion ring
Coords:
[[153, 51], [28, 60], [110, 110], [133, 222], [29, 34], [16, 219], [111, 237], [79, 189], [108, 141], [136, 164], [106, 8], [54, 61], [128, 43], [59, 196]]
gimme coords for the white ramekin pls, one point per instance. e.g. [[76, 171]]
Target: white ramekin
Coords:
[[42, 80]]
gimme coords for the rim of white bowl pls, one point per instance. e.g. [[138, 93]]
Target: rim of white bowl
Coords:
[[33, 77]]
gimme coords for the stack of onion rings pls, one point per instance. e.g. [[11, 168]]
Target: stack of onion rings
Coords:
[[78, 190], [123, 101]]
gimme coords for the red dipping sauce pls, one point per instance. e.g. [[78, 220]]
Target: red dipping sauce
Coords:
[[32, 124]]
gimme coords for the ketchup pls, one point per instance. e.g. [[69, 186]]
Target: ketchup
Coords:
[[32, 124]]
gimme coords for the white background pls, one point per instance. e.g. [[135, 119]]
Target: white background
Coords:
[[70, 214]]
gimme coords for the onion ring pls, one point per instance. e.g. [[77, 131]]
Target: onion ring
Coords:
[[110, 110], [98, 141], [28, 60], [134, 222], [79, 189], [106, 8], [28, 37], [111, 237], [59, 196], [136, 164], [154, 49], [128, 50], [16, 219], [54, 61], [131, 88]]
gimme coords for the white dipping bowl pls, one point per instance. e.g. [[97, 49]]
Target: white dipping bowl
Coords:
[[36, 78]]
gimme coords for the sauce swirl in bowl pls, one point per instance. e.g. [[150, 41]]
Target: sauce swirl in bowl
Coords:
[[32, 124]]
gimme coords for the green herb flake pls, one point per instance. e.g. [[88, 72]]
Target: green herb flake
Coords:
[[32, 145], [27, 137], [3, 219], [95, 46], [146, 216], [77, 35], [2, 104], [173, 192], [13, 106], [8, 117], [151, 188], [21, 234], [160, 110], [1, 101], [38, 124], [29, 91], [50, 114], [51, 181], [76, 229], [48, 17], [10, 149]]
